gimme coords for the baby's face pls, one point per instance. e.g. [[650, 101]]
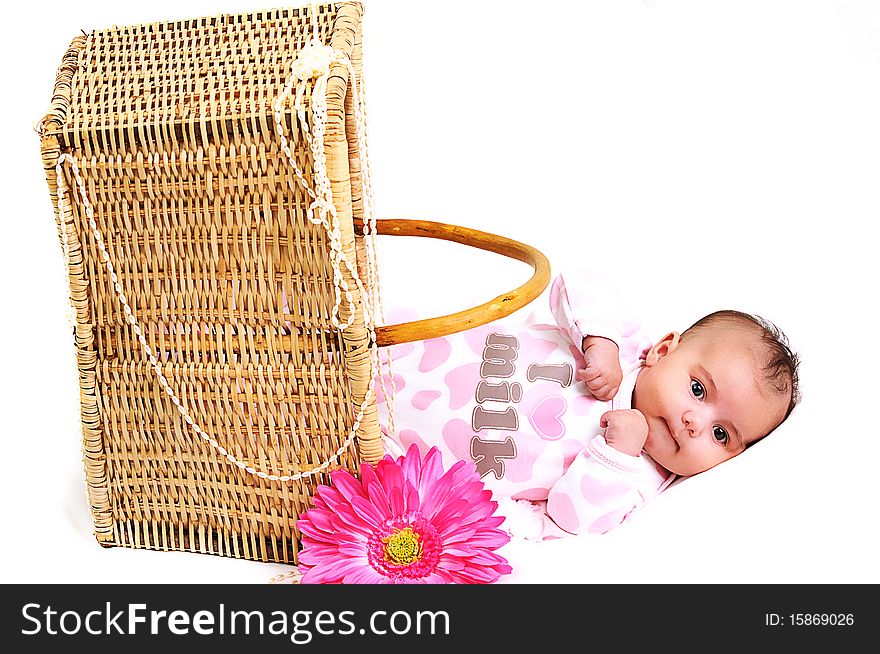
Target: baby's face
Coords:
[[703, 399]]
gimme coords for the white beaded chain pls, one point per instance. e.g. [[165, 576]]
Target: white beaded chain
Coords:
[[313, 62], [370, 233]]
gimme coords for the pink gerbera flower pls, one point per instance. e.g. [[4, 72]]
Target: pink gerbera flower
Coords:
[[403, 521]]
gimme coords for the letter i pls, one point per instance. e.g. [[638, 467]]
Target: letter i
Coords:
[[503, 392], [561, 373]]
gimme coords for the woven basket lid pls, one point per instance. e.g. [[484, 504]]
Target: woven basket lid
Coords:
[[192, 80]]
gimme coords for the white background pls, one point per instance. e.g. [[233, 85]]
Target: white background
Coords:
[[703, 155]]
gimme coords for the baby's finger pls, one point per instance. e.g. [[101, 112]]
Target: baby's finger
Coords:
[[589, 374], [606, 417], [611, 390], [604, 393]]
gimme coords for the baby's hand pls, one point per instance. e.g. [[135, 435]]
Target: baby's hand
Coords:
[[602, 374], [626, 430]]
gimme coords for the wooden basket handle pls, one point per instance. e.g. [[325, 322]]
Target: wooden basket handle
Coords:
[[501, 306]]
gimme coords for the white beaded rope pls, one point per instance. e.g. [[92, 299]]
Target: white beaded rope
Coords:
[[370, 233], [313, 61], [131, 318]]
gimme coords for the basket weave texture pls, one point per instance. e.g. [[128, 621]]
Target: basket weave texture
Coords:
[[172, 127]]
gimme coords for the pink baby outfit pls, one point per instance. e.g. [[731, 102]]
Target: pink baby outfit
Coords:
[[505, 396]]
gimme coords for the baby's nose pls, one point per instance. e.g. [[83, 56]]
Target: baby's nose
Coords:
[[692, 423]]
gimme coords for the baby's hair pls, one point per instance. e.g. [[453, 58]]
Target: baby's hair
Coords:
[[781, 365]]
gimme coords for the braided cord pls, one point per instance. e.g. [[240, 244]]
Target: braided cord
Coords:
[[313, 62]]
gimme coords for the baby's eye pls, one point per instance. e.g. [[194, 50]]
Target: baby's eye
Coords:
[[720, 434], [697, 389]]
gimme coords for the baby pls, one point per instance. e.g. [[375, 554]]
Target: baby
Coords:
[[588, 419]]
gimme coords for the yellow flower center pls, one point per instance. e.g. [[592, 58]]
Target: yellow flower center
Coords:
[[402, 547]]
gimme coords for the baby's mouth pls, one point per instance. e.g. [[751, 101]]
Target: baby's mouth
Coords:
[[671, 434]]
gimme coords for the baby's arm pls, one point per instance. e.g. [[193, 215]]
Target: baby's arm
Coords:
[[599, 490], [598, 339], [604, 483]]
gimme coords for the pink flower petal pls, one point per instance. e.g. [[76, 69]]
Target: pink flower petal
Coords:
[[347, 521], [314, 554], [368, 475], [411, 463], [310, 529], [330, 571], [347, 484], [485, 557], [353, 551], [477, 575], [436, 496], [440, 576], [458, 535], [390, 474], [363, 575], [432, 470], [494, 521], [490, 539], [323, 520], [379, 499], [395, 499], [455, 566], [413, 501], [365, 510], [452, 511]]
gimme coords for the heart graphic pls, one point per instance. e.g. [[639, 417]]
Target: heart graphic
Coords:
[[545, 418]]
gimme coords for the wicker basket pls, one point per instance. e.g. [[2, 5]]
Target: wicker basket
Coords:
[[187, 238]]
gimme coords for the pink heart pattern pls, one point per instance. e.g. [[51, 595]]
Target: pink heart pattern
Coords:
[[545, 418]]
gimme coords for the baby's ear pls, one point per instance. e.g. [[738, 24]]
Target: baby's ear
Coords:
[[662, 347]]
